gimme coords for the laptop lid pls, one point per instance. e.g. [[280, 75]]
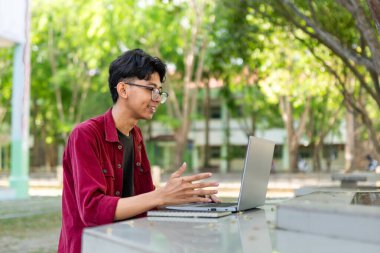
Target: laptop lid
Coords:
[[254, 180], [255, 177]]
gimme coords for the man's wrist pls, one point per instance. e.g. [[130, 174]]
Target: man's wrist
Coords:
[[157, 197]]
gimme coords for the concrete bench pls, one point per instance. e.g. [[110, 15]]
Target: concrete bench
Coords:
[[348, 180]]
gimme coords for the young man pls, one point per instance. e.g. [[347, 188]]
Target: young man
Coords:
[[107, 174]]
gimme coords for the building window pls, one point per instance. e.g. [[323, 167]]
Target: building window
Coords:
[[215, 111], [215, 152], [237, 151], [278, 149]]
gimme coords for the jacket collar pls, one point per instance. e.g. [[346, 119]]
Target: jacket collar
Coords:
[[111, 132]]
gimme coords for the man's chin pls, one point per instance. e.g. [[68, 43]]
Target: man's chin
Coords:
[[149, 116]]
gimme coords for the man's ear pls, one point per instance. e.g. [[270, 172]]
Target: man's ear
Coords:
[[122, 90]]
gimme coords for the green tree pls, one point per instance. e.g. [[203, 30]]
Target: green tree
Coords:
[[74, 42], [271, 79], [67, 62], [345, 28], [235, 57]]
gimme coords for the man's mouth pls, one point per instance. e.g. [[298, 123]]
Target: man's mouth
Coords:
[[153, 108]]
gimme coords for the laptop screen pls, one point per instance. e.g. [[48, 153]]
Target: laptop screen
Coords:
[[256, 172]]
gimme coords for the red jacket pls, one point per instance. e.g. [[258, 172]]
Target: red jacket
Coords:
[[93, 177]]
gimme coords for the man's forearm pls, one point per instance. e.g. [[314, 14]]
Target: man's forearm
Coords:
[[178, 190], [132, 206]]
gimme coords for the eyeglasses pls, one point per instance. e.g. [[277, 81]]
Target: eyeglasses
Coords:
[[157, 95]]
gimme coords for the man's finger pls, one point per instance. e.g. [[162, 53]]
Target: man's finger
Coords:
[[193, 199], [200, 192], [202, 185], [199, 199], [180, 171], [196, 177], [215, 199]]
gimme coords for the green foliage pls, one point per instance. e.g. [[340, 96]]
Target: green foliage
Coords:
[[335, 19], [275, 59], [84, 36], [6, 68], [235, 39], [251, 45]]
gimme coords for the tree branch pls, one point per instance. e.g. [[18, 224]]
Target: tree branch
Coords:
[[312, 10], [301, 127], [327, 39], [199, 72], [360, 77], [365, 28], [374, 6], [286, 113], [174, 102], [331, 122]]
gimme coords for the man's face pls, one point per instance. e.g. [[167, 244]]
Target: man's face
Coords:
[[140, 99]]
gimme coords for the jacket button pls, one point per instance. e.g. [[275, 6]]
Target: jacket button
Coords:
[[117, 193], [141, 170], [119, 165], [139, 146], [138, 164], [120, 147], [104, 171]]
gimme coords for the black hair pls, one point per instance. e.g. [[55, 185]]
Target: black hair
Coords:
[[134, 63]]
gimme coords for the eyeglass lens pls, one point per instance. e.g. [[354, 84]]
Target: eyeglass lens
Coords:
[[156, 96]]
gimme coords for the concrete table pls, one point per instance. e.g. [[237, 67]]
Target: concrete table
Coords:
[[252, 231], [351, 179], [346, 215], [235, 233]]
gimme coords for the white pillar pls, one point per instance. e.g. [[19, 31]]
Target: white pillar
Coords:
[[19, 179]]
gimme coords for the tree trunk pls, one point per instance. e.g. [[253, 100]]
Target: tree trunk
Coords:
[[316, 160], [253, 124], [191, 80], [206, 161], [350, 141], [293, 134], [293, 155], [181, 143]]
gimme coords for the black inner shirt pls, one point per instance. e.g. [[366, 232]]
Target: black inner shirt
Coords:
[[127, 142]]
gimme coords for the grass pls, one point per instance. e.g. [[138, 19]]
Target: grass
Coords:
[[31, 225], [24, 226]]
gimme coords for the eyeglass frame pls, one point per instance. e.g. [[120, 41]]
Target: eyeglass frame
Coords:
[[153, 90]]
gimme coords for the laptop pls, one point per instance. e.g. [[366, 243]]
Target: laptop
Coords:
[[254, 180]]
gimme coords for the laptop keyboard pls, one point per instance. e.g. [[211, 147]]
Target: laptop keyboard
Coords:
[[217, 204]]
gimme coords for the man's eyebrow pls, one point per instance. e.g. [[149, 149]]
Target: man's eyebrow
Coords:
[[155, 85]]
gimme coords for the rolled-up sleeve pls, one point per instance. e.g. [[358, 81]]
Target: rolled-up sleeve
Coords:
[[94, 206]]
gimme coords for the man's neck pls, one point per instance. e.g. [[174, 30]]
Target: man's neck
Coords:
[[123, 121]]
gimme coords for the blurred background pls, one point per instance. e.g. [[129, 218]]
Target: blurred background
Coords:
[[304, 74], [300, 73]]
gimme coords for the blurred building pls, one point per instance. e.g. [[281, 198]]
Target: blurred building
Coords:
[[162, 146]]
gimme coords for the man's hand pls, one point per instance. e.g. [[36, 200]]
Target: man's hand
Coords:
[[213, 198], [184, 189]]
